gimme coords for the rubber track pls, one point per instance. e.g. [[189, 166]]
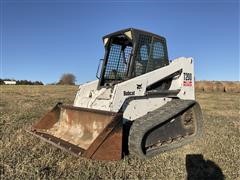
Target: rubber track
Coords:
[[145, 123]]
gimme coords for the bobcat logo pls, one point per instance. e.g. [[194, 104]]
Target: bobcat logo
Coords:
[[139, 86], [128, 93]]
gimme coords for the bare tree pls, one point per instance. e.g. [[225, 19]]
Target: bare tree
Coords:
[[67, 79]]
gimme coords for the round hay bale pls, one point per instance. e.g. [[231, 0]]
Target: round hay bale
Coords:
[[231, 87], [218, 87], [226, 85], [208, 86], [199, 85]]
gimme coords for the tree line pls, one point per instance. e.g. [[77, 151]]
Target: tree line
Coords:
[[21, 82], [65, 79]]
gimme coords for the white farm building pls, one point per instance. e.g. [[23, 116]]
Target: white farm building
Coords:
[[10, 82]]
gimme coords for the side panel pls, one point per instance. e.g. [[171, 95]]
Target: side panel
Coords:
[[84, 93], [139, 107], [88, 96]]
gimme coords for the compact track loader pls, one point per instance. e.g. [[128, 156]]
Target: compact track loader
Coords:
[[141, 103]]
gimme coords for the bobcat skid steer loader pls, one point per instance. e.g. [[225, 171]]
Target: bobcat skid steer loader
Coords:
[[141, 103]]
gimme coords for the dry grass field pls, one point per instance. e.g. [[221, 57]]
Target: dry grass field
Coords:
[[216, 155]]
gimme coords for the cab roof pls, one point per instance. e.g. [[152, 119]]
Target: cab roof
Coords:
[[135, 32]]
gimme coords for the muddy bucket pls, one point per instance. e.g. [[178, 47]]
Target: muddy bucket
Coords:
[[84, 132]]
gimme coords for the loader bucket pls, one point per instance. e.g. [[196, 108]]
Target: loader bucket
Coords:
[[83, 132]]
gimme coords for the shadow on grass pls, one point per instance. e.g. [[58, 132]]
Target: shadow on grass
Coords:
[[200, 169]]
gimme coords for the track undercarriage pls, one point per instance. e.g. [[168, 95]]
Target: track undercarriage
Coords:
[[175, 124]]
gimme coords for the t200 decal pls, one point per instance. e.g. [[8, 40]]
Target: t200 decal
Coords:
[[187, 79]]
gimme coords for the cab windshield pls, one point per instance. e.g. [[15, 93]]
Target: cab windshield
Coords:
[[119, 54]]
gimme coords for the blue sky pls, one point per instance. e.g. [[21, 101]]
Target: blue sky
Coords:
[[41, 40]]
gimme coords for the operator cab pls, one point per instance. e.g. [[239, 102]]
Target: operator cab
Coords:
[[130, 53]]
